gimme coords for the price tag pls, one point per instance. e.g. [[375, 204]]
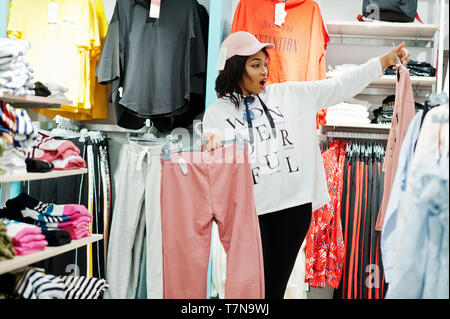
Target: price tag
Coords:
[[52, 13], [280, 14], [183, 165], [155, 6]]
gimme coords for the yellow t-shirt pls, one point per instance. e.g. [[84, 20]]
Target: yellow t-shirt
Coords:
[[66, 38]]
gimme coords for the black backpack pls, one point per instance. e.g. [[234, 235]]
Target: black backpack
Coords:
[[390, 10]]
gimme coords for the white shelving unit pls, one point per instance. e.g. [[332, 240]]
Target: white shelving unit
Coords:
[[36, 176], [379, 33], [380, 29], [33, 101], [389, 80], [364, 126], [21, 261], [18, 262]]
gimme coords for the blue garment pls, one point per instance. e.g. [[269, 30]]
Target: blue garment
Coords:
[[422, 265], [388, 239]]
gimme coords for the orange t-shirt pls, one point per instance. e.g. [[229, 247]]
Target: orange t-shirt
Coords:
[[300, 42]]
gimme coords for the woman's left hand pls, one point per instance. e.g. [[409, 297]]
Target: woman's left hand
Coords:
[[390, 58]]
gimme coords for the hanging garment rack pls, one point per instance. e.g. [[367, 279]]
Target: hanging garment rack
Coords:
[[356, 135]]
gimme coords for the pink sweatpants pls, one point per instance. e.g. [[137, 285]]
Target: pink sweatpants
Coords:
[[218, 186]]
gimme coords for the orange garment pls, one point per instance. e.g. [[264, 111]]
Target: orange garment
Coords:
[[300, 42]]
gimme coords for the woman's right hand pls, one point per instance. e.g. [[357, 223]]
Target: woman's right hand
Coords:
[[212, 142]]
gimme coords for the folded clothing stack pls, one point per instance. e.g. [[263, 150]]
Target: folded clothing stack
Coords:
[[34, 284], [62, 154], [346, 113], [56, 90], [81, 287], [16, 126], [383, 114], [13, 161], [6, 247], [415, 68], [26, 238], [73, 218], [16, 73]]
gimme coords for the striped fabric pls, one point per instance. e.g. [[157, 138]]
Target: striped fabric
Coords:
[[81, 287], [19, 124], [34, 284]]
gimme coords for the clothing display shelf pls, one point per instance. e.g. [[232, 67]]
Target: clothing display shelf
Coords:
[[33, 101], [36, 176], [21, 261], [113, 128], [414, 34], [362, 126], [379, 29], [354, 131], [390, 80]]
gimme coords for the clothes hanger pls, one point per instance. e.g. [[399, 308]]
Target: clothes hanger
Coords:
[[147, 137], [173, 145], [399, 63]]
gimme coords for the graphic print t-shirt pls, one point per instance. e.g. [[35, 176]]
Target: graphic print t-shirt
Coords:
[[275, 167], [289, 172], [300, 41]]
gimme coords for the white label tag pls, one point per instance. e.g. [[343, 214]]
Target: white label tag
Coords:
[[52, 13], [183, 165], [155, 6], [280, 14]]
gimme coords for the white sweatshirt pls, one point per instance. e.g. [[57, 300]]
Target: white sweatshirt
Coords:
[[289, 171]]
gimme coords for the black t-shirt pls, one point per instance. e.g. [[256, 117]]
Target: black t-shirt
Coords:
[[156, 62]]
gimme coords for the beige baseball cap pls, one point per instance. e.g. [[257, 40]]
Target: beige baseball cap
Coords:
[[239, 43]]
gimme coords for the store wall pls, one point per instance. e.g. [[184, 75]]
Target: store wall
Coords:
[[4, 9]]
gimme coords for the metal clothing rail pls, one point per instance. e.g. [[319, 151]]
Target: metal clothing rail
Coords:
[[357, 135]]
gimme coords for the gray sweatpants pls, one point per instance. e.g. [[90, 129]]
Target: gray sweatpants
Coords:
[[137, 210]]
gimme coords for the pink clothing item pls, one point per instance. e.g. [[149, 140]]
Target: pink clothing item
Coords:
[[50, 156], [72, 228], [38, 244], [70, 162], [218, 186], [71, 210], [64, 155], [76, 222], [404, 111], [30, 230], [28, 238], [26, 251], [79, 233], [74, 209], [51, 149]]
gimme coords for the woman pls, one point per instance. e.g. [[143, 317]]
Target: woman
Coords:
[[279, 121]]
